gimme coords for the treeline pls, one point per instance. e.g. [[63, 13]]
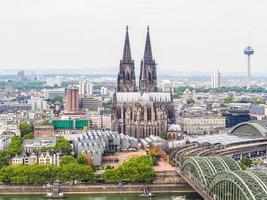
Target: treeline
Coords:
[[137, 170], [70, 170], [178, 91]]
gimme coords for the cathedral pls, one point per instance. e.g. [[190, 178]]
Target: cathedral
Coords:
[[140, 111]]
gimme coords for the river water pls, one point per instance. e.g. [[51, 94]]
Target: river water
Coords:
[[109, 197]]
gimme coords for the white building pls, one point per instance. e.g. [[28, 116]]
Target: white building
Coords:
[[215, 79], [81, 87], [104, 91], [31, 159], [54, 81], [38, 104], [89, 88], [30, 145]]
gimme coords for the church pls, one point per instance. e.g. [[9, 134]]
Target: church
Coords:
[[140, 111]]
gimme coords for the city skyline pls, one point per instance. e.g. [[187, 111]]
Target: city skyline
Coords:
[[57, 36]]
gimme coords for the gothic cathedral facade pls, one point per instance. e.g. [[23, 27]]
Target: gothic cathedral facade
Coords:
[[144, 111]]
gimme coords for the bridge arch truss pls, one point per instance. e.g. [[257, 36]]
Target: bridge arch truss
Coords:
[[222, 179]]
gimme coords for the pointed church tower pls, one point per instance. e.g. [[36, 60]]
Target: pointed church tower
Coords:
[[126, 77], [148, 72]]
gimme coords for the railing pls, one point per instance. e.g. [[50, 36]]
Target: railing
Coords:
[[194, 183]]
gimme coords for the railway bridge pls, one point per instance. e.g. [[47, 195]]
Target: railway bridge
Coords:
[[221, 178]]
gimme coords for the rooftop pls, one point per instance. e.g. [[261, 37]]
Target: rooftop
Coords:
[[146, 96]]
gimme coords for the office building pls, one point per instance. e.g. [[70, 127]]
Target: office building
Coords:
[[9, 86], [71, 100], [89, 88], [235, 115], [215, 79], [82, 87]]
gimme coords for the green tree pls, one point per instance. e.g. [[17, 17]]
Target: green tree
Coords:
[[107, 104], [57, 98], [63, 145], [163, 135], [138, 170], [82, 160], [245, 163], [76, 172], [67, 160], [25, 129], [15, 147], [228, 100]]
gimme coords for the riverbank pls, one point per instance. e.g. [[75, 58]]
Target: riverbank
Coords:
[[96, 189]]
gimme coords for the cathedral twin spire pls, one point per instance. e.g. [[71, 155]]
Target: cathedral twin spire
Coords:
[[148, 76], [127, 50]]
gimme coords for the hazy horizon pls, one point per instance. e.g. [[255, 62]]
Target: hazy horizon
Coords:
[[88, 36]]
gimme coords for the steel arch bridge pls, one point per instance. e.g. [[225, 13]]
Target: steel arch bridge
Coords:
[[221, 178]]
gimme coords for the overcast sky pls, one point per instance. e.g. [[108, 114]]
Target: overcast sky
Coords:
[[88, 35]]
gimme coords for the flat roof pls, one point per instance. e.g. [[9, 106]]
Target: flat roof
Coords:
[[223, 139]]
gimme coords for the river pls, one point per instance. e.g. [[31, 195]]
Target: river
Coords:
[[108, 197]]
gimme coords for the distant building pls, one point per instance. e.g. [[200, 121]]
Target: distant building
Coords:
[[106, 121], [70, 124], [189, 95], [33, 158], [71, 100], [82, 87], [174, 132], [166, 86], [258, 112], [104, 91], [52, 82], [38, 103], [200, 124], [90, 102], [215, 79], [9, 86], [235, 115], [31, 145], [96, 121], [21, 75], [89, 88], [52, 93], [43, 131], [14, 107]]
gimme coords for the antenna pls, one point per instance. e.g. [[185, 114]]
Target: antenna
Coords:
[[249, 38]]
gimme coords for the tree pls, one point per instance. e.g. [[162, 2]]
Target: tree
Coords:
[[15, 147], [163, 135], [57, 99], [76, 172], [67, 160], [107, 104], [228, 100], [137, 169], [25, 129], [82, 160], [63, 145], [245, 163]]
